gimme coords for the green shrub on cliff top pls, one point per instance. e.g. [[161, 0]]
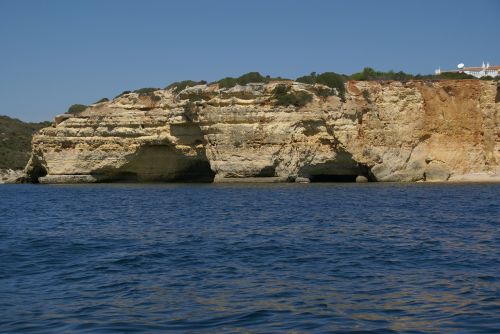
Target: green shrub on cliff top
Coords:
[[123, 93], [180, 85], [250, 77], [330, 79], [146, 91], [333, 80], [455, 76], [369, 74], [307, 79], [76, 108], [149, 92], [227, 82]]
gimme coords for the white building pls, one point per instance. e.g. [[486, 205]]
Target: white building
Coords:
[[478, 72]]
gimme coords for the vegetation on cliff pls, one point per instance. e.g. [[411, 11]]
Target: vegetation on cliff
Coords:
[[144, 92], [330, 79], [15, 141], [123, 93], [180, 85], [148, 92], [250, 77], [284, 97], [369, 74], [334, 82], [76, 108]]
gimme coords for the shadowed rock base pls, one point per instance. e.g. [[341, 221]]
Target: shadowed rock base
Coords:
[[250, 180], [60, 179]]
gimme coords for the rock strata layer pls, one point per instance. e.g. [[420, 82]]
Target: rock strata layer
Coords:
[[380, 131]]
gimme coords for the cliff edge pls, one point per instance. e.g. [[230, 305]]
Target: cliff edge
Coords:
[[279, 131]]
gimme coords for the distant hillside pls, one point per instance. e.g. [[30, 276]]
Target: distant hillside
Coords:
[[15, 141]]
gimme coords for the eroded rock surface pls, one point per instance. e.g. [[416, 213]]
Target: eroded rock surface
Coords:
[[384, 131], [11, 176]]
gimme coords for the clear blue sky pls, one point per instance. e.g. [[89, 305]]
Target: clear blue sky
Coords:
[[56, 53]]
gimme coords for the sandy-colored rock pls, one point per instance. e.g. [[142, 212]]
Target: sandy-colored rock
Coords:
[[392, 131], [54, 179], [11, 176], [361, 179], [436, 172], [302, 180], [475, 177]]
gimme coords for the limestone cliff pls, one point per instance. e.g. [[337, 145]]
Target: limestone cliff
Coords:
[[386, 131]]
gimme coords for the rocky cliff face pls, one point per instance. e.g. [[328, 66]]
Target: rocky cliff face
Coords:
[[385, 131]]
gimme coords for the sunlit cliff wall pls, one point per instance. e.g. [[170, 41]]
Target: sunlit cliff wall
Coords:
[[384, 131]]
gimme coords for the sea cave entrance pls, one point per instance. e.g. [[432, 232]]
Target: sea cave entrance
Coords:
[[333, 178], [161, 163], [342, 169]]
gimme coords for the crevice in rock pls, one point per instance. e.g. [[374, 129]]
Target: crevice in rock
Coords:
[[35, 168], [366, 172], [36, 172]]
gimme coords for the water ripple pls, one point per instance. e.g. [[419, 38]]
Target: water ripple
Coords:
[[326, 258]]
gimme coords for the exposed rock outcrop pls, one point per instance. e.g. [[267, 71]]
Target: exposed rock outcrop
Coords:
[[11, 176], [383, 131]]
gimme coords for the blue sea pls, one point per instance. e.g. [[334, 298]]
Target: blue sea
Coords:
[[262, 258]]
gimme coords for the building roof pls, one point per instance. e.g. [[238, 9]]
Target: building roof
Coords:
[[480, 68], [475, 69]]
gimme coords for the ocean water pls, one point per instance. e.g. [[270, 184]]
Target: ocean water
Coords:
[[191, 258]]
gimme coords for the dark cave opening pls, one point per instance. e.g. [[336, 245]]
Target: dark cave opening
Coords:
[[268, 171], [333, 178], [124, 177], [198, 171]]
